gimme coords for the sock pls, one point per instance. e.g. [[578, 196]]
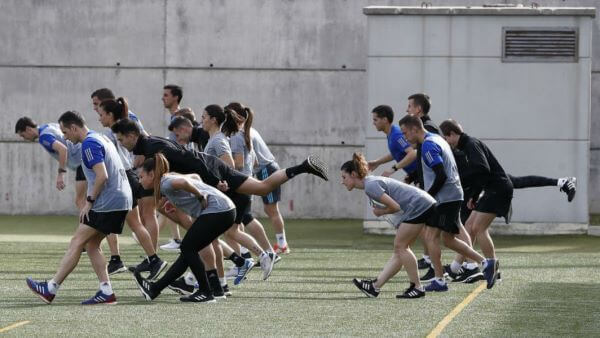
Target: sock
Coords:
[[153, 258], [213, 279], [115, 258], [295, 170], [281, 242], [441, 281], [246, 255], [190, 279], [106, 288], [561, 181], [237, 259], [223, 281], [472, 266], [465, 264], [427, 259], [53, 286], [455, 266]]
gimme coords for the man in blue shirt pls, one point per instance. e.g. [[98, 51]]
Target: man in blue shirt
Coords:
[[108, 201], [66, 153]]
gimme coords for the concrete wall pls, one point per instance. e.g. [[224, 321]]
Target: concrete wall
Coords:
[[299, 64]]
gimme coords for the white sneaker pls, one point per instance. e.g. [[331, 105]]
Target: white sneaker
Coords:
[[231, 273], [266, 264], [173, 245]]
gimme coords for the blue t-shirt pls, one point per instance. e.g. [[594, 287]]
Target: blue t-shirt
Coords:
[[50, 133], [434, 151], [92, 151], [397, 144]]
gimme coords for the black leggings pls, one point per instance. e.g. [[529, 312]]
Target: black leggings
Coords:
[[205, 229], [523, 182]]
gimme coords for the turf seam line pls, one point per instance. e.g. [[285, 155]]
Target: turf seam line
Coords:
[[449, 317], [14, 326]]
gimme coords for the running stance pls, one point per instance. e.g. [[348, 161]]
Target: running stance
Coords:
[[109, 112], [107, 204], [407, 208], [212, 212], [65, 152], [441, 180], [483, 173]]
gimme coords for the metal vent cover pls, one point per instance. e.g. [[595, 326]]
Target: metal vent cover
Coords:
[[540, 44]]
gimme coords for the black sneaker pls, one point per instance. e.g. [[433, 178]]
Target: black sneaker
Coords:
[[219, 293], [215, 286], [411, 292], [366, 286], [316, 167], [469, 276], [226, 290], [422, 264], [429, 275], [569, 188], [115, 266], [451, 274], [491, 272], [142, 267], [499, 278], [198, 297], [156, 268], [145, 287], [181, 287]]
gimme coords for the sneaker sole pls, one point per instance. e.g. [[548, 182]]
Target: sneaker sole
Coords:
[[495, 275], [402, 296], [40, 296], [179, 290], [172, 250], [474, 278], [105, 303], [427, 280], [357, 284], [205, 302], [163, 266], [267, 273], [119, 270], [319, 166]]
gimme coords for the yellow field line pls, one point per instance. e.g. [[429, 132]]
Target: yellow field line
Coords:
[[13, 326], [444, 322]]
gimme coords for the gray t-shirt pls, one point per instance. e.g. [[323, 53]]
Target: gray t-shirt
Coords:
[[412, 200], [188, 202], [263, 154], [218, 145], [238, 146], [50, 133], [434, 151]]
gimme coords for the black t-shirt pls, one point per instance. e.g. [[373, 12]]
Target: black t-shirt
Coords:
[[200, 137]]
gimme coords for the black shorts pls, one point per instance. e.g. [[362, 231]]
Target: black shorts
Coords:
[[494, 203], [422, 218], [446, 217], [134, 184], [233, 177], [110, 222], [79, 175], [242, 204], [275, 195]]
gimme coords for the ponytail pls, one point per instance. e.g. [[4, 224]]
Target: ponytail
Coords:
[[160, 166], [230, 125], [244, 112], [118, 108], [358, 165]]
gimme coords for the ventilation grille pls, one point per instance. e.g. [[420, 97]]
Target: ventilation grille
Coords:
[[540, 44]]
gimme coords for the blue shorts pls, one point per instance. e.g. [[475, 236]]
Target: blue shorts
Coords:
[[275, 195]]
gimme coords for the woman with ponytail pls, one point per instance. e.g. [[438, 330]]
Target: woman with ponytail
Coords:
[[406, 207], [212, 214], [110, 112]]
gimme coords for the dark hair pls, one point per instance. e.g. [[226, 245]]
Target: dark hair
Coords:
[[230, 125], [70, 118], [160, 166], [186, 112], [411, 121], [421, 100], [384, 111], [125, 127], [23, 123], [358, 164], [175, 91], [246, 113], [103, 94], [449, 126], [179, 121], [118, 108]]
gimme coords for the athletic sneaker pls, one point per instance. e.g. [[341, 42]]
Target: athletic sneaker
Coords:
[[40, 289], [219, 293], [448, 273], [499, 278], [198, 297], [101, 298], [156, 268], [266, 264], [172, 245], [277, 259], [429, 275], [231, 273], [145, 287], [569, 187], [243, 271], [422, 264], [490, 272], [281, 249], [116, 266], [508, 216], [317, 167], [436, 286], [181, 287], [411, 292], [142, 267], [226, 290], [366, 286], [470, 276]]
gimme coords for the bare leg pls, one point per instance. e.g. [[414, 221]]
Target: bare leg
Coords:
[[218, 258], [148, 213], [272, 211], [245, 240], [403, 255], [432, 236], [253, 186], [481, 225], [96, 257], [69, 261], [231, 242], [80, 192], [113, 244], [207, 254], [256, 230], [135, 224]]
